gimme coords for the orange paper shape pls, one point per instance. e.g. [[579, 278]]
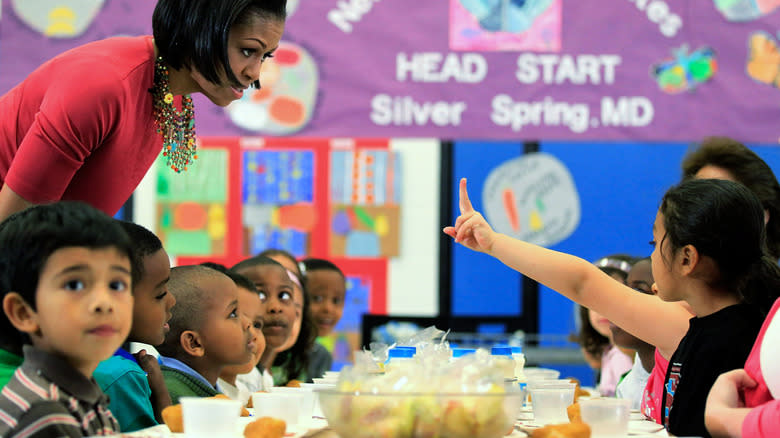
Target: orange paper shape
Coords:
[[299, 217], [190, 216]]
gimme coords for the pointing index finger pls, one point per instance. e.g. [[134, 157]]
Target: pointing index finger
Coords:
[[465, 202]]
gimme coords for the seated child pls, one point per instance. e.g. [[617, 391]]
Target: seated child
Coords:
[[709, 251], [327, 287], [594, 336], [592, 343], [253, 380], [292, 358], [65, 278], [240, 381], [633, 383], [207, 332], [279, 292], [316, 356], [134, 383]]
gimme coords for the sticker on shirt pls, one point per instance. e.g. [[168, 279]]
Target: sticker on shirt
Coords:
[[670, 389], [768, 358], [58, 18]]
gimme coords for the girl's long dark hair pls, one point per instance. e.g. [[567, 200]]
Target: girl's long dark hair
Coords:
[[295, 360], [724, 220]]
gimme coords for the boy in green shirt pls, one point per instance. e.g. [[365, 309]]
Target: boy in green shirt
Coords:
[[134, 383]]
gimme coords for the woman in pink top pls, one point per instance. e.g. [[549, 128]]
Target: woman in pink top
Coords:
[[88, 124], [747, 402]]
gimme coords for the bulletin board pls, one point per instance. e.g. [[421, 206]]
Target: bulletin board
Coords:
[[244, 195]]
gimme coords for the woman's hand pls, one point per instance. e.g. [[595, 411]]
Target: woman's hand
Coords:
[[471, 229]]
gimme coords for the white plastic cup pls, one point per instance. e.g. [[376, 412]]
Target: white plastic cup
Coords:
[[317, 412], [306, 410], [541, 374], [281, 405], [549, 404], [209, 417], [607, 417], [556, 383]]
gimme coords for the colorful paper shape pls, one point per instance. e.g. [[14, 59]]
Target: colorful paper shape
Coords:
[[745, 10], [684, 71], [286, 101], [278, 200], [505, 25], [58, 18], [191, 206], [544, 207], [763, 64]]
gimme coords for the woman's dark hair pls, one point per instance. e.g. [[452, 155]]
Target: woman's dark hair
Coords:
[[144, 243], [194, 33], [27, 240], [747, 168], [724, 221]]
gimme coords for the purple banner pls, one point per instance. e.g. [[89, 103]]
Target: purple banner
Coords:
[[668, 70]]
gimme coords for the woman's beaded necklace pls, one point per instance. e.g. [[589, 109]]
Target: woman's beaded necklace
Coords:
[[176, 127]]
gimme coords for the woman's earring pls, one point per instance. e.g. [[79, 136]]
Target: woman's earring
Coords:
[[256, 84]]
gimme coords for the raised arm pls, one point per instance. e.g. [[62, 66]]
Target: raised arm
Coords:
[[656, 322]]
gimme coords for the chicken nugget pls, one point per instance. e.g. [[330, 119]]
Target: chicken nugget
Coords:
[[265, 427], [173, 418], [571, 430]]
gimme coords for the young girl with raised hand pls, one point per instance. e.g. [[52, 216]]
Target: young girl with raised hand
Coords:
[[708, 250]]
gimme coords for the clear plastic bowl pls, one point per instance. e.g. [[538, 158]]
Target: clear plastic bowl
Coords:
[[418, 415]]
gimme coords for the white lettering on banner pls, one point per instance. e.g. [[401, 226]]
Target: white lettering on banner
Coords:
[[628, 111], [507, 112], [405, 111], [436, 67], [348, 12], [658, 12], [574, 69]]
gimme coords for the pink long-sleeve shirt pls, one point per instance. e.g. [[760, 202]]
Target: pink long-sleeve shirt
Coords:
[[762, 365]]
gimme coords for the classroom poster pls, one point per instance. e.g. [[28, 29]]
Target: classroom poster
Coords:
[[244, 195]]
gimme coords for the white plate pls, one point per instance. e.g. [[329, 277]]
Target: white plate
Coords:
[[162, 430], [643, 427]]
